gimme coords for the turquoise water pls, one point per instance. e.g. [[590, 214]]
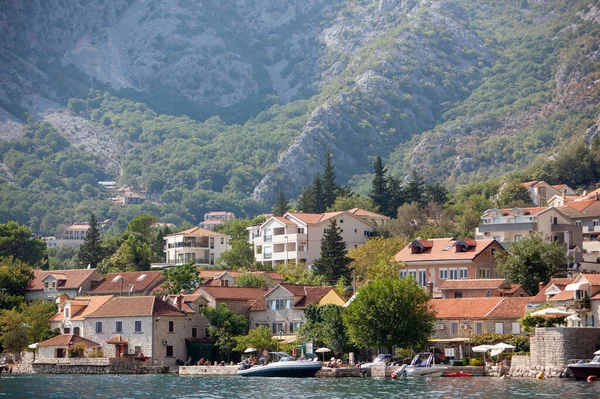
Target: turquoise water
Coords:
[[172, 386]]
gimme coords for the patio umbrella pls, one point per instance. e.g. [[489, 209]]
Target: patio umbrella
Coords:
[[323, 351], [502, 345], [481, 348], [250, 350], [551, 313]]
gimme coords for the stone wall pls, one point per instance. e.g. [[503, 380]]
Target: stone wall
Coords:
[[552, 348], [208, 370], [94, 366]]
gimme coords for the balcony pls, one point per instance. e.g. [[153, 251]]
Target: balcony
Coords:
[[491, 228], [591, 229], [561, 227]]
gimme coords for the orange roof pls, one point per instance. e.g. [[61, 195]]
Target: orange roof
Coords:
[[592, 194], [473, 284], [305, 295], [141, 281], [580, 205], [464, 308], [197, 232], [84, 305], [117, 339], [73, 279], [531, 183], [315, 218], [563, 296], [509, 308], [364, 212], [284, 220], [68, 340], [593, 278], [560, 283], [443, 249], [232, 293], [129, 306], [514, 288]]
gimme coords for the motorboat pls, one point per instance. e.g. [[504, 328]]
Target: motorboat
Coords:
[[422, 365], [381, 360], [283, 365], [583, 370]]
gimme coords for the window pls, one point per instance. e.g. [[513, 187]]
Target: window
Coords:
[[578, 223], [484, 273], [518, 237], [222, 240], [119, 326], [60, 352], [300, 230], [278, 328], [341, 221], [212, 242], [66, 330], [356, 230], [542, 192], [138, 326], [171, 326], [268, 237], [301, 247], [137, 350], [453, 274], [207, 332], [422, 277], [458, 294], [278, 304], [589, 320], [212, 259], [367, 233], [443, 274], [98, 326], [463, 272], [453, 328], [77, 331], [194, 332], [169, 351], [267, 253], [516, 328], [499, 328], [478, 327]]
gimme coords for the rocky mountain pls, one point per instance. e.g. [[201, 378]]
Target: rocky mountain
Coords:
[[461, 90]]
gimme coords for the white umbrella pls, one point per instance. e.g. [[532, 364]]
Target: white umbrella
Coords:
[[481, 348], [496, 351], [502, 345], [551, 313], [323, 351], [33, 346], [574, 318], [597, 353], [250, 350]]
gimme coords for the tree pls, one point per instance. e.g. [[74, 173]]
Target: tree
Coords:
[[180, 278], [390, 312], [345, 203], [530, 322], [14, 277], [333, 262], [531, 260], [436, 193], [379, 194], [240, 256], [13, 332], [395, 197], [414, 189], [142, 225], [330, 188], [259, 338], [410, 218], [513, 193], [317, 189], [16, 241], [251, 280], [306, 201], [325, 326], [133, 254], [91, 251], [298, 273], [224, 325], [281, 205], [373, 260]]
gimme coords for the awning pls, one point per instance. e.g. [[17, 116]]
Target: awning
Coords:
[[577, 286], [449, 340]]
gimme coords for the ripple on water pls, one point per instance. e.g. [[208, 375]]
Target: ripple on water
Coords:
[[172, 386]]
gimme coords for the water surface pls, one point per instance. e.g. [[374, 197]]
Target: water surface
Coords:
[[173, 386]]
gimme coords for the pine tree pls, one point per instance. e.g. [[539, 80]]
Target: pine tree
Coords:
[[333, 263], [379, 194], [306, 201], [414, 189], [91, 252], [395, 197], [281, 206], [317, 189], [330, 188]]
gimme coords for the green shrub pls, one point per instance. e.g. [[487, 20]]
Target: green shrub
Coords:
[[475, 362], [96, 353]]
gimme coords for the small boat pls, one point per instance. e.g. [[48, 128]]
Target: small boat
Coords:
[[423, 365], [285, 366], [381, 360], [583, 370]]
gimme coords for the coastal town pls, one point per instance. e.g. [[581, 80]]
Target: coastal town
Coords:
[[186, 312]]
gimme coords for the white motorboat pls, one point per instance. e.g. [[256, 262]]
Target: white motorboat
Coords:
[[286, 366], [381, 360], [583, 370], [423, 365]]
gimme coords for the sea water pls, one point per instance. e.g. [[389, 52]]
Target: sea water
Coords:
[[173, 386]]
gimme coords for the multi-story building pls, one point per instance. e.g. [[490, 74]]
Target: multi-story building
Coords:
[[585, 213], [479, 288], [214, 219], [201, 245], [511, 225], [130, 283], [72, 312], [297, 236], [50, 284], [437, 260], [541, 192]]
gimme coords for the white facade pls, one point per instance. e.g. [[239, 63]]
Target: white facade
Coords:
[[202, 245], [297, 236]]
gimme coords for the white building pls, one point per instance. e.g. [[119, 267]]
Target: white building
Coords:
[[202, 245], [297, 236]]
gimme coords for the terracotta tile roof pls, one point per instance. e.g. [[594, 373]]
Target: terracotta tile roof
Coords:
[[284, 220], [305, 295], [560, 283], [315, 218], [514, 288], [219, 213], [73, 279], [117, 339], [112, 285], [67, 340], [129, 306], [82, 306], [464, 308], [364, 212], [593, 278], [593, 194], [314, 294], [531, 183], [232, 293], [197, 232], [509, 308], [437, 253], [563, 296], [579, 205], [473, 284]]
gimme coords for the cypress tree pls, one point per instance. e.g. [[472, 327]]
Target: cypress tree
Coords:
[[379, 194], [317, 189], [414, 190], [91, 252], [333, 262], [281, 205], [306, 201], [395, 197], [330, 189]]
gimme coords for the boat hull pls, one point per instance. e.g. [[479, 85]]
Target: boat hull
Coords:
[[419, 372], [287, 369], [581, 371]]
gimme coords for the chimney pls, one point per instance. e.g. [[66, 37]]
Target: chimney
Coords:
[[179, 301], [541, 286], [429, 286], [60, 301]]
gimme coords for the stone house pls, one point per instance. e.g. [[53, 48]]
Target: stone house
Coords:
[[215, 218], [541, 192], [58, 346], [203, 246], [437, 260], [477, 288], [282, 308], [549, 292], [70, 318], [130, 283], [586, 213], [130, 325], [47, 285], [237, 299], [228, 278], [297, 236]]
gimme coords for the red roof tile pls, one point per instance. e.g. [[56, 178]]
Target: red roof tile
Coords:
[[509, 308], [593, 278], [232, 293], [197, 232], [73, 279], [464, 308], [364, 212], [474, 284], [113, 285], [68, 340], [560, 283], [442, 249], [129, 306]]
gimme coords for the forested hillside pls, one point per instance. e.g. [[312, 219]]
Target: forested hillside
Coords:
[[212, 105]]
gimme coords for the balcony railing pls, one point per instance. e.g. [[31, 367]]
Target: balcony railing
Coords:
[[188, 245]]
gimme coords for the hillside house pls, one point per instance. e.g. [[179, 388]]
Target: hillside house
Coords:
[[203, 246], [216, 218], [237, 299], [478, 288], [50, 284], [130, 283], [72, 312]]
